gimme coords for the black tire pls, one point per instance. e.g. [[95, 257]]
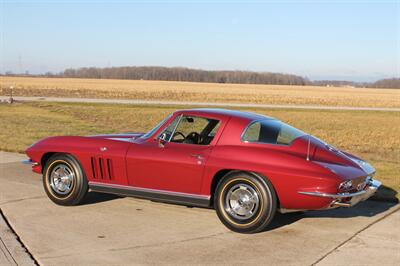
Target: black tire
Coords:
[[74, 175], [256, 217]]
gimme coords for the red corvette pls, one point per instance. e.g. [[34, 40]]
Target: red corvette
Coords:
[[246, 166]]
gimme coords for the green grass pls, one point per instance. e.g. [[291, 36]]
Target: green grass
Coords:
[[374, 136]]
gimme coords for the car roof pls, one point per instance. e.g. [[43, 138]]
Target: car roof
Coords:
[[226, 113]]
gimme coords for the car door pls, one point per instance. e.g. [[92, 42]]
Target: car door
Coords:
[[175, 166]]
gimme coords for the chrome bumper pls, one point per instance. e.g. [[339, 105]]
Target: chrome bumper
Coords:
[[30, 162], [348, 199]]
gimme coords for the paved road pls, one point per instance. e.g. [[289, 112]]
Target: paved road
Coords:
[[203, 104], [111, 230]]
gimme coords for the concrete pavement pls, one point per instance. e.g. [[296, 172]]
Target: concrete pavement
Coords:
[[381, 241], [12, 251], [201, 104], [112, 230]]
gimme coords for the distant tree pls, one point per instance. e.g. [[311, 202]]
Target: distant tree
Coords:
[[393, 83], [336, 83], [49, 74], [383, 83]]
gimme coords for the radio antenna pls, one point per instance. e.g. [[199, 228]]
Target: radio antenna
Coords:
[[308, 147]]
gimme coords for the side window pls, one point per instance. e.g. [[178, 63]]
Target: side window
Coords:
[[272, 132], [191, 124], [214, 130], [193, 130], [252, 133]]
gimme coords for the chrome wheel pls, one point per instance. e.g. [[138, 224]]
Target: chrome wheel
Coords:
[[241, 201], [61, 179]]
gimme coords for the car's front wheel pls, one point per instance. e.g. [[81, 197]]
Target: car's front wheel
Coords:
[[244, 202], [64, 180]]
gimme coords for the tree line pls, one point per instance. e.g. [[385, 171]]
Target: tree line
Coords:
[[197, 75], [185, 74], [392, 83]]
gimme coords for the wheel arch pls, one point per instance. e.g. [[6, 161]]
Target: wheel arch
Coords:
[[219, 175], [46, 157]]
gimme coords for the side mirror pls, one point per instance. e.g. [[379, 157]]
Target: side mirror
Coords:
[[162, 140]]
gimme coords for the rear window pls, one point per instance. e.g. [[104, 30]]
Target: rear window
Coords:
[[271, 131]]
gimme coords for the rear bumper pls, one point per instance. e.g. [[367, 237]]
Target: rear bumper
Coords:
[[347, 199]]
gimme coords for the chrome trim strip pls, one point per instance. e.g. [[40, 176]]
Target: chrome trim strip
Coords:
[[335, 196], [373, 185], [158, 191], [121, 139], [163, 195]]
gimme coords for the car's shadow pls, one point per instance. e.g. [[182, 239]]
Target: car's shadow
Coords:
[[367, 208], [383, 200], [96, 197]]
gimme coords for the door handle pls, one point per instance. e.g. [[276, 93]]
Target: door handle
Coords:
[[197, 156]]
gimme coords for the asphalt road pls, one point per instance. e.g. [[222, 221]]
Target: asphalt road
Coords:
[[111, 230], [201, 104]]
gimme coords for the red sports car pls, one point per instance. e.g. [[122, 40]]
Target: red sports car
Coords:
[[246, 166]]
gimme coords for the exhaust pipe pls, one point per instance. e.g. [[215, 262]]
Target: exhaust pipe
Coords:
[[341, 204]]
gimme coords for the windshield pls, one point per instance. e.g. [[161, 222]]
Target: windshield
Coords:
[[151, 132], [271, 131]]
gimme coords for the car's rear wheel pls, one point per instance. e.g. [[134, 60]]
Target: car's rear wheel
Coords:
[[64, 180], [244, 202]]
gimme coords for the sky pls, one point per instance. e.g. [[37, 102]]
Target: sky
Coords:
[[343, 40]]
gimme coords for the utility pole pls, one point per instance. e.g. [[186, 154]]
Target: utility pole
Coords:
[[11, 99], [20, 64]]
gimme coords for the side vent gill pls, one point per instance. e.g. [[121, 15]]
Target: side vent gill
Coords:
[[94, 168], [102, 168], [110, 169]]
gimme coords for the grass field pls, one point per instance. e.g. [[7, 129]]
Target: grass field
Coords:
[[373, 136], [200, 92]]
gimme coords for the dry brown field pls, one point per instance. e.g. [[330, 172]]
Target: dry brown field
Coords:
[[200, 92]]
